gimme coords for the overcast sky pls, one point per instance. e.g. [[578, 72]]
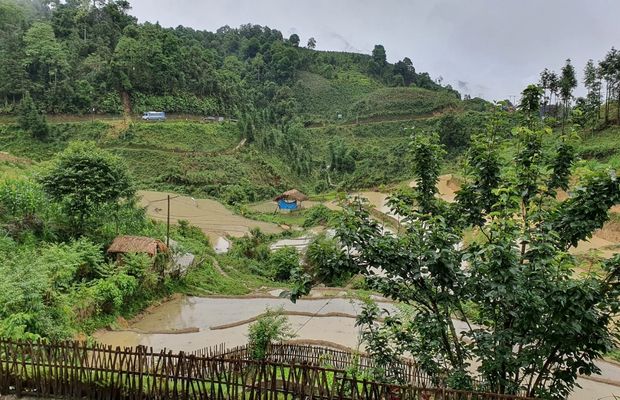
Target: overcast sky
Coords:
[[488, 48]]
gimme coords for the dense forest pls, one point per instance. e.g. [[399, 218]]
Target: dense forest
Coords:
[[78, 56]]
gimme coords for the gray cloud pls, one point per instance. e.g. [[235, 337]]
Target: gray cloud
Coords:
[[462, 86], [495, 47], [345, 44]]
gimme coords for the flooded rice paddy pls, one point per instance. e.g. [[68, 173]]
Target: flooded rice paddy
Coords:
[[191, 323]]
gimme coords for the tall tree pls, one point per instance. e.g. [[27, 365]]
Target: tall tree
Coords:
[[567, 83], [379, 59], [311, 43], [427, 156], [554, 87], [544, 84], [294, 40], [46, 58], [12, 24], [84, 178], [592, 81], [531, 102], [30, 118], [611, 76], [507, 305], [406, 70]]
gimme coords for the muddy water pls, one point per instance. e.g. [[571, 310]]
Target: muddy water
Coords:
[[211, 216], [447, 187], [206, 313]]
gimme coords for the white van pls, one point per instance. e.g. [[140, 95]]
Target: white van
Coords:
[[154, 116]]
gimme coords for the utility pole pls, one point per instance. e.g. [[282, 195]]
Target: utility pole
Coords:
[[168, 225]]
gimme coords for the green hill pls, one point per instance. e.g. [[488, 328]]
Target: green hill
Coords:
[[356, 96]]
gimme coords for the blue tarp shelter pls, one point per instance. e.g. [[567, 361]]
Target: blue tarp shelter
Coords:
[[290, 200], [284, 204]]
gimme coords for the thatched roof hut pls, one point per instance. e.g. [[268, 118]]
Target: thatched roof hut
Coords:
[[292, 194], [137, 244]]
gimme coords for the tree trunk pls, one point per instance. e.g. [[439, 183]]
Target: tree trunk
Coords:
[[126, 101], [606, 102]]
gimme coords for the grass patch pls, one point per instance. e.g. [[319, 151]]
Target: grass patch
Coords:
[[603, 146], [239, 279]]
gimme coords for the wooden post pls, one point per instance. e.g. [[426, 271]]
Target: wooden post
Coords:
[[168, 225]]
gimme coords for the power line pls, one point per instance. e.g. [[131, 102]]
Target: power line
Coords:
[[164, 199], [309, 319]]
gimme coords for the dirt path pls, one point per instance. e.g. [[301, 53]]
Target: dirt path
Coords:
[[216, 266], [4, 156], [240, 145], [380, 120]]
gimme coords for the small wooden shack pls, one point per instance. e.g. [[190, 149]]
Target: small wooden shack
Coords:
[[290, 200], [136, 244]]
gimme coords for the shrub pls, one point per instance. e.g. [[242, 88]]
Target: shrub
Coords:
[[282, 262], [271, 327], [110, 293], [327, 261], [136, 264], [27, 305], [253, 246], [68, 263], [318, 215], [84, 179], [20, 202]]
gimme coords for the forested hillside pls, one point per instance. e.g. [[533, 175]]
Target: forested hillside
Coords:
[[317, 120], [76, 56]]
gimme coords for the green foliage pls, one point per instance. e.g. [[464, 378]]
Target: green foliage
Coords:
[[30, 305], [341, 159], [253, 246], [294, 39], [31, 120], [535, 325], [54, 288], [20, 199], [83, 179], [530, 102], [110, 293], [377, 339], [453, 134], [323, 98], [477, 196], [74, 59], [318, 215], [282, 261], [327, 262], [562, 164], [269, 328], [410, 101], [427, 156]]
